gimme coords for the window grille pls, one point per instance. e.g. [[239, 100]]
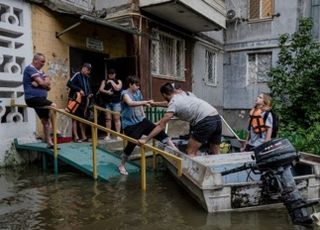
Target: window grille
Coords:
[[259, 65], [260, 9], [167, 56], [210, 69]]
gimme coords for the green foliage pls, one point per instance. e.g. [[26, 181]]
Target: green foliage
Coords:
[[296, 79], [295, 84], [306, 140]]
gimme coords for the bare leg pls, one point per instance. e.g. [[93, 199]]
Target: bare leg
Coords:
[[117, 122], [108, 123], [75, 130], [83, 131], [46, 129], [121, 167], [193, 147], [215, 148]]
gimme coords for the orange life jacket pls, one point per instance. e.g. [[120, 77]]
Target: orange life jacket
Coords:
[[256, 121], [73, 103]]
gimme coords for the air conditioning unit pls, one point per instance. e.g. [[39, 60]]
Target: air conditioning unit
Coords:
[[234, 16], [231, 14]]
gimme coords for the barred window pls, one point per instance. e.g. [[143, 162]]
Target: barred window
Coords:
[[259, 65], [167, 56], [260, 9], [210, 69]]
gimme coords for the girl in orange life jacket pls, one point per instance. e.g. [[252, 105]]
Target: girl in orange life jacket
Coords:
[[260, 130]]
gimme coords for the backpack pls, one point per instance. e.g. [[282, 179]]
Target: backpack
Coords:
[[73, 103], [275, 122]]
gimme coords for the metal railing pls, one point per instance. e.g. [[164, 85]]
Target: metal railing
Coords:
[[94, 130]]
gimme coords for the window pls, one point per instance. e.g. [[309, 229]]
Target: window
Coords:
[[315, 12], [259, 65], [167, 56], [210, 69], [260, 9]]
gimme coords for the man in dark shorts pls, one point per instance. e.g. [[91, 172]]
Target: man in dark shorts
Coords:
[[205, 122], [80, 83], [36, 85]]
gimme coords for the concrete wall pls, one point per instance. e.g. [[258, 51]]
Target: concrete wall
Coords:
[[99, 4], [16, 53], [210, 93], [244, 37]]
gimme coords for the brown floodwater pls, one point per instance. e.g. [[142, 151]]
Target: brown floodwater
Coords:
[[33, 199]]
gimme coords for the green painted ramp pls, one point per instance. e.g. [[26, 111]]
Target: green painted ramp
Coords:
[[79, 155]]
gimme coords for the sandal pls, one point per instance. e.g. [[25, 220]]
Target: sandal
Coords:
[[77, 141], [84, 140], [123, 170]]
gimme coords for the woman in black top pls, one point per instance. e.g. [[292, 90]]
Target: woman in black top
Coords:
[[110, 90]]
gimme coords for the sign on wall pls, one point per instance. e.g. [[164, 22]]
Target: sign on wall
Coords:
[[94, 44]]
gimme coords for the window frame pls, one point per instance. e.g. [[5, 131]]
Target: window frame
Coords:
[[214, 63], [248, 82], [155, 44], [260, 18]]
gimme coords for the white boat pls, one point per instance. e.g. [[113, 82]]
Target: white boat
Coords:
[[243, 190]]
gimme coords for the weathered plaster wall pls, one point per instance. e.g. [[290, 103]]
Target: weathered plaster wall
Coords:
[[210, 93], [36, 32], [45, 25]]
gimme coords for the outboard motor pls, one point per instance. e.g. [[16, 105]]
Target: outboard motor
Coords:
[[274, 160]]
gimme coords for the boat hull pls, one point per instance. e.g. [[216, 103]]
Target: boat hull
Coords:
[[242, 190]]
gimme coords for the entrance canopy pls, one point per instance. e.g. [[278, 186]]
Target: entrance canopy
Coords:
[[98, 21]]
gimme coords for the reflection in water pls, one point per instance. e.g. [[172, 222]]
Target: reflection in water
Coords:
[[31, 199]]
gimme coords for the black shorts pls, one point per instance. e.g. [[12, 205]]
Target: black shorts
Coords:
[[208, 130], [37, 103], [143, 128]]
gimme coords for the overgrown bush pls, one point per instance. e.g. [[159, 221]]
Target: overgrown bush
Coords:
[[295, 87]]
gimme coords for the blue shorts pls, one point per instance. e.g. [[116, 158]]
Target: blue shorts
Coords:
[[115, 107], [208, 130]]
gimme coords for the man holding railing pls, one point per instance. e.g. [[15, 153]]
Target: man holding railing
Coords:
[[36, 85], [205, 122]]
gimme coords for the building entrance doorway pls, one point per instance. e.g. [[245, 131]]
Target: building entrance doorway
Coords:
[[79, 56]]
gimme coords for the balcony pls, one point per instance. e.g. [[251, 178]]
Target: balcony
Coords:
[[193, 15]]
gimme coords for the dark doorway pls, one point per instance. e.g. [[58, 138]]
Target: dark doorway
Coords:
[[124, 67], [78, 57]]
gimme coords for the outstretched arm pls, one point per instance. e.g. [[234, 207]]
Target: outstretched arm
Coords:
[[132, 103], [159, 127], [160, 103]]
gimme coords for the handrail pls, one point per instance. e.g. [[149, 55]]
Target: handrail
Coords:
[[95, 127]]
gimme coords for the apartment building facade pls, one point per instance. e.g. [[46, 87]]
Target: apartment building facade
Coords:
[[219, 49]]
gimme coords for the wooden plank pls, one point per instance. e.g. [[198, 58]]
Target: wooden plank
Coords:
[[79, 155]]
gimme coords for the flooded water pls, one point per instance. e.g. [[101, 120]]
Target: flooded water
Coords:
[[33, 199]]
